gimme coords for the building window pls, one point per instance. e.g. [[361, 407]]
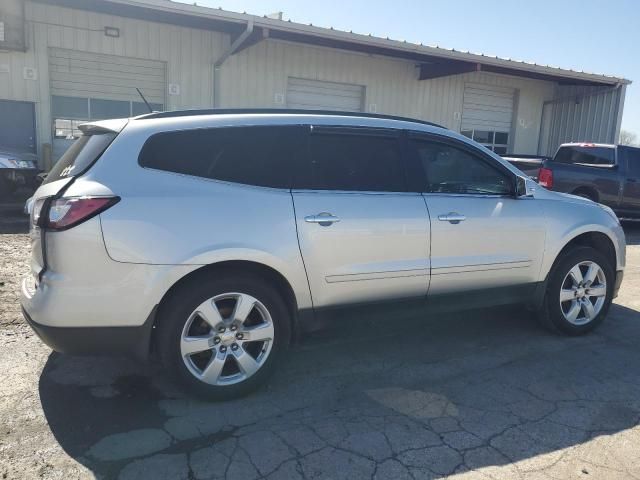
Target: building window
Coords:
[[497, 142], [69, 112], [67, 128]]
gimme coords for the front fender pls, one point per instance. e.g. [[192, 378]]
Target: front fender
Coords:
[[567, 233]]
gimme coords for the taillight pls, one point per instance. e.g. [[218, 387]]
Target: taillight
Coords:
[[545, 177], [64, 213]]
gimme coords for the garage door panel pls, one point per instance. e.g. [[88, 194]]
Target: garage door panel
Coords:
[[315, 94], [87, 86], [62, 73], [487, 107], [64, 55], [109, 80], [83, 74]]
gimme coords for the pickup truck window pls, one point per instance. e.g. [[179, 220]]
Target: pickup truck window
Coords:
[[586, 155]]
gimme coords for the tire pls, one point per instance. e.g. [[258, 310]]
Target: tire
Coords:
[[224, 370], [559, 316]]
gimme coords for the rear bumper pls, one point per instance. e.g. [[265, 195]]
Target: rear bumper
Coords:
[[129, 341]]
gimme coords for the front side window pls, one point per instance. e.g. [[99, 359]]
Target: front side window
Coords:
[[497, 142], [250, 155], [448, 169], [352, 161]]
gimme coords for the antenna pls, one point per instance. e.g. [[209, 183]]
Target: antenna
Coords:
[[145, 100]]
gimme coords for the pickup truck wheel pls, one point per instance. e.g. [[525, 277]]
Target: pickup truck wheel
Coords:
[[221, 337], [579, 292]]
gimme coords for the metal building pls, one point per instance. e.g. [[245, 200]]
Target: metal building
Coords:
[[63, 62]]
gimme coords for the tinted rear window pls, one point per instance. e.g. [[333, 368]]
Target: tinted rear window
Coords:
[[250, 155], [80, 156], [586, 155], [352, 162]]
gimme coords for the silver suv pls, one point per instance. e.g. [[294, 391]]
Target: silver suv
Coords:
[[212, 238]]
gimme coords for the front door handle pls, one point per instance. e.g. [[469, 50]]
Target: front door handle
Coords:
[[324, 219], [452, 217]]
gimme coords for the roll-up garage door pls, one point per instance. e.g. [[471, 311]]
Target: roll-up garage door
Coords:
[[487, 115], [89, 86], [318, 95]]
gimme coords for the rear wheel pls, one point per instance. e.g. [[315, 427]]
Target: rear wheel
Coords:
[[579, 292], [221, 337]]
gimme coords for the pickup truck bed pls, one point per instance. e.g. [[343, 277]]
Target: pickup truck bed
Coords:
[[607, 174]]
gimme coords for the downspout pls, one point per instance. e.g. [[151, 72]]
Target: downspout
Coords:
[[218, 64]]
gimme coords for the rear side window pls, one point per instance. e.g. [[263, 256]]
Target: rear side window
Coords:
[[350, 161], [250, 155], [586, 155], [80, 156]]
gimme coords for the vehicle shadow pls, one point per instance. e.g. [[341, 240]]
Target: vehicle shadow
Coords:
[[402, 394]]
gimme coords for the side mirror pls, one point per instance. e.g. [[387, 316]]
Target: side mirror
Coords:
[[525, 187]]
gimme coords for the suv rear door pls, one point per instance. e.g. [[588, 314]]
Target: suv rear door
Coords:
[[362, 235]]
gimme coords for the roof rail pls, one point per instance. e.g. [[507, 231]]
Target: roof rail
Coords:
[[283, 111]]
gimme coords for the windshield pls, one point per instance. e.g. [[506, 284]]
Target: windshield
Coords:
[[80, 156], [586, 155]]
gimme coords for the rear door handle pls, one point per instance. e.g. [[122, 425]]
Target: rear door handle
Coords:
[[452, 217], [632, 180], [324, 219]]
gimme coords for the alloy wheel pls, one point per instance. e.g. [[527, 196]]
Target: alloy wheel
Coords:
[[227, 338], [583, 293]]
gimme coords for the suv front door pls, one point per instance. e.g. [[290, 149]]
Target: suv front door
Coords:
[[482, 236], [363, 237]]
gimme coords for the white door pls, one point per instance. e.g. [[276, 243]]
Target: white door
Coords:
[[487, 115], [318, 95], [482, 236], [363, 237]]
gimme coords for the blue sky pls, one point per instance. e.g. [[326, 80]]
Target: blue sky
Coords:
[[590, 35]]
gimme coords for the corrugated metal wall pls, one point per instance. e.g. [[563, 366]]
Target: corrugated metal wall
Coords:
[[188, 54], [257, 77], [582, 114]]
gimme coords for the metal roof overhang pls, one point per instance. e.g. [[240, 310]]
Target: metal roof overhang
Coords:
[[433, 62]]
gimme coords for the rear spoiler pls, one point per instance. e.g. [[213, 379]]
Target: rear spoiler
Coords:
[[104, 126]]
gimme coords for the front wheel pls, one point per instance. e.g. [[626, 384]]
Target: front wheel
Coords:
[[579, 292], [220, 337]]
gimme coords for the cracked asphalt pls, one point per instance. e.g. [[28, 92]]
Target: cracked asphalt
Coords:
[[476, 394]]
